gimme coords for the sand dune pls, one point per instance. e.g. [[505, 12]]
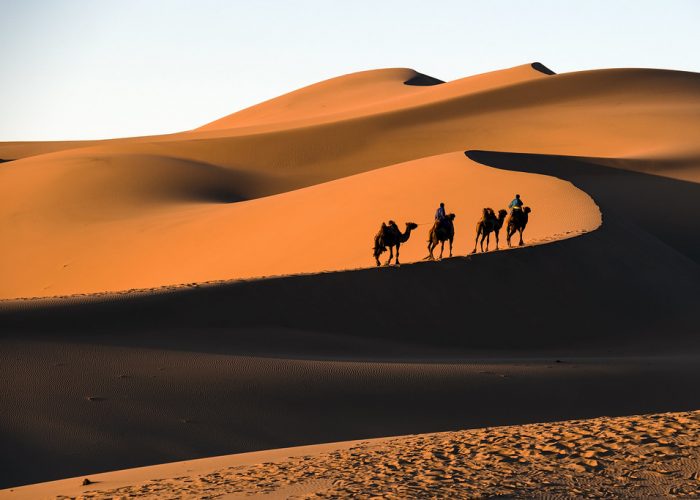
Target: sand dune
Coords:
[[276, 207], [345, 93], [357, 93], [89, 401], [112, 230], [365, 93], [279, 362], [86, 224], [639, 456]]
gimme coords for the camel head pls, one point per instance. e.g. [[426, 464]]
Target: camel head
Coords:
[[502, 214], [411, 225], [451, 216]]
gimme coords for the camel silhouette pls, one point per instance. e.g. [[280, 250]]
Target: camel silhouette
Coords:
[[517, 222], [439, 233], [488, 224], [389, 236]]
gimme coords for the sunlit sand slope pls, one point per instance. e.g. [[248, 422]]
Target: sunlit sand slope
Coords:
[[364, 93], [144, 222], [147, 212]]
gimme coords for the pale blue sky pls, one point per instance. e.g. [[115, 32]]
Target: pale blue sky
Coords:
[[112, 68]]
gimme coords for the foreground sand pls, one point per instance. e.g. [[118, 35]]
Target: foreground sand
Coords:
[[637, 456]]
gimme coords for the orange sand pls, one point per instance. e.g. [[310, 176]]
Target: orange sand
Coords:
[[609, 162], [195, 206]]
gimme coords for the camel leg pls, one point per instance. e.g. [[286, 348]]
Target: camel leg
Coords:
[[496, 240], [391, 256], [488, 240], [508, 235], [430, 251], [397, 255], [450, 247], [442, 248], [521, 238], [476, 241]]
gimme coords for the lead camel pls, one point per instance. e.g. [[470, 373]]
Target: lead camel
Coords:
[[390, 236]]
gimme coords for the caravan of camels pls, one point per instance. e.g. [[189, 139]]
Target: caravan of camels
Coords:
[[390, 236]]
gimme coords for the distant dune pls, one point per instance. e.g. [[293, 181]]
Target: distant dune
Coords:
[[213, 291]]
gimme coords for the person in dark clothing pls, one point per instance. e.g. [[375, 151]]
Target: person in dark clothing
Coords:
[[441, 218], [440, 213]]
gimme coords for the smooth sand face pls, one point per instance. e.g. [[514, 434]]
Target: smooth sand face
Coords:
[[364, 93], [140, 235], [195, 206]]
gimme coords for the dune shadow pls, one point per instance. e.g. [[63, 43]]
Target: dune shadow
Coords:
[[421, 80], [167, 358], [660, 206], [538, 66], [636, 276]]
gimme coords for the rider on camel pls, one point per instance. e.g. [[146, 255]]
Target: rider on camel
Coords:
[[440, 214], [516, 204], [441, 218]]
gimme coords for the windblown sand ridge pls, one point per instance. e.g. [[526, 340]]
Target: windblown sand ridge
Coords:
[[358, 90]]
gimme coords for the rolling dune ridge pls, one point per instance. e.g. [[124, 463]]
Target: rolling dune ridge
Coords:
[[601, 113], [213, 291]]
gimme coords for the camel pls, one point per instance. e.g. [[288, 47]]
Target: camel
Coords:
[[391, 236], [517, 222], [439, 233], [488, 224]]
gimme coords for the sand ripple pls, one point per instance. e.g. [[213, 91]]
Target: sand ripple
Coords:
[[639, 456]]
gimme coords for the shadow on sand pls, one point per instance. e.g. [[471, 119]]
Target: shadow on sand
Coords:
[[294, 360]]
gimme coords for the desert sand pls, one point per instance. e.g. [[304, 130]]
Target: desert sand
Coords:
[[200, 201], [638, 456], [213, 291]]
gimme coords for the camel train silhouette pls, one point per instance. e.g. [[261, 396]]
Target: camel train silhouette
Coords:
[[390, 236]]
